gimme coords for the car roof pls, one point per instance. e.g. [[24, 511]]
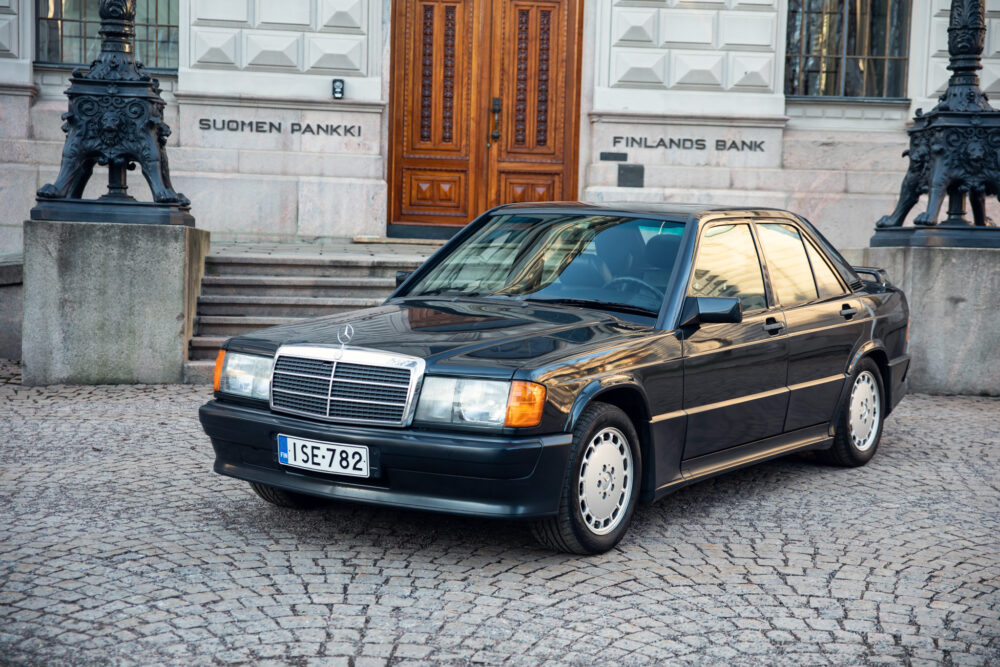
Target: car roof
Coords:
[[682, 211]]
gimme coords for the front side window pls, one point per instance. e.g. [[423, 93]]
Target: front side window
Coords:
[[727, 265], [68, 32], [608, 259], [787, 264], [847, 48]]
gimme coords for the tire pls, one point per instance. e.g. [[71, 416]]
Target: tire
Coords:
[[591, 519], [283, 498], [858, 429]]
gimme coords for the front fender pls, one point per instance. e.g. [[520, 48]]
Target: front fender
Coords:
[[598, 386]]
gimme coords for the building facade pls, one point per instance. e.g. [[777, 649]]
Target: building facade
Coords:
[[296, 119]]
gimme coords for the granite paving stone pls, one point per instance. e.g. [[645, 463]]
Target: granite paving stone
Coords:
[[120, 546]]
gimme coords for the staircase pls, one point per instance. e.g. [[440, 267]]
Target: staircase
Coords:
[[246, 288]]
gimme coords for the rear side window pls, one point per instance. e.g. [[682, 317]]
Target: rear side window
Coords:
[[728, 265], [826, 279], [787, 264]]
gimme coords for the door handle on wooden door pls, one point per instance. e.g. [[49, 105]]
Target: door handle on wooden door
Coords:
[[495, 110]]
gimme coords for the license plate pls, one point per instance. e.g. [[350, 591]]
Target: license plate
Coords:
[[328, 457]]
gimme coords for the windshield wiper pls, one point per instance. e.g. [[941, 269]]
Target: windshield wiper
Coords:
[[446, 291], [593, 303]]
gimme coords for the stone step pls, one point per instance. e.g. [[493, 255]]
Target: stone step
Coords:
[[341, 265], [299, 286], [280, 306], [205, 348], [227, 325]]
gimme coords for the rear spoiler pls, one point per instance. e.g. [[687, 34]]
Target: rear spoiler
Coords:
[[881, 278]]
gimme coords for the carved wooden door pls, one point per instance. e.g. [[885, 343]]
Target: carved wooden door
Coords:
[[485, 98]]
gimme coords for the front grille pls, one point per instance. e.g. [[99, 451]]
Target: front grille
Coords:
[[339, 390]]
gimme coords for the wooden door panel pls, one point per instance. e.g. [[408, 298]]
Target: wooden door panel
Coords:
[[434, 156], [531, 76], [449, 59], [430, 192], [530, 187], [536, 76], [440, 51]]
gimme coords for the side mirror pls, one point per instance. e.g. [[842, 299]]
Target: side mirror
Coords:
[[711, 309], [401, 277]]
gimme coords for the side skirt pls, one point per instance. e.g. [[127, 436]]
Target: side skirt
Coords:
[[734, 458]]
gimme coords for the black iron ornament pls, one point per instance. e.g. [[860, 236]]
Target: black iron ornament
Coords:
[[115, 118], [954, 151]]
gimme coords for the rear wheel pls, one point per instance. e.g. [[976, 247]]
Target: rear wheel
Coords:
[[283, 498], [859, 427], [600, 487]]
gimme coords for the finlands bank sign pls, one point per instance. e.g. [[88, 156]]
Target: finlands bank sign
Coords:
[[689, 144], [278, 127]]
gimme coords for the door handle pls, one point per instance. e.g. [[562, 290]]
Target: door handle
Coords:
[[773, 326], [495, 110], [847, 312]]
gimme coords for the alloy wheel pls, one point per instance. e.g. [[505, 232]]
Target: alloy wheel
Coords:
[[606, 481]]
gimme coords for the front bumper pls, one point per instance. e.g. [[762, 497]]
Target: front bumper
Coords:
[[442, 471]]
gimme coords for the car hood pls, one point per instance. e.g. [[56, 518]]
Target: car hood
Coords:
[[489, 337]]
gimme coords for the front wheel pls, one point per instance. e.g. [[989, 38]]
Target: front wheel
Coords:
[[858, 430], [601, 485]]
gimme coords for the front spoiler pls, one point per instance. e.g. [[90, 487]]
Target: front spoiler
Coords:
[[441, 471]]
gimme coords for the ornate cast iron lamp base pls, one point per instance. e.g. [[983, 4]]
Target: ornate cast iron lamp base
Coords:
[[954, 152], [115, 118]]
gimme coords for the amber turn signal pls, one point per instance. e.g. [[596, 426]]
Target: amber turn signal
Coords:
[[525, 404], [218, 369]]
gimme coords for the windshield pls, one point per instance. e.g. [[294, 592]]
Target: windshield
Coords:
[[600, 259]]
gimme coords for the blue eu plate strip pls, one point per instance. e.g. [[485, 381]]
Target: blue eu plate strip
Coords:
[[282, 449]]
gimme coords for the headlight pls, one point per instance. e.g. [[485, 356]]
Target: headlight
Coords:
[[243, 374], [490, 403]]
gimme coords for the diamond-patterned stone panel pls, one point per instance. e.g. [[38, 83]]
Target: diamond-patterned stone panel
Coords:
[[8, 36], [697, 69], [634, 26], [272, 49], [336, 53], [214, 46], [285, 12], [639, 68], [747, 29], [989, 78], [992, 49], [751, 70], [938, 46], [687, 27], [937, 77], [343, 14], [221, 10]]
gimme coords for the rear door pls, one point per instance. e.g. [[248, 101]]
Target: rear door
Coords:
[[734, 374], [824, 321]]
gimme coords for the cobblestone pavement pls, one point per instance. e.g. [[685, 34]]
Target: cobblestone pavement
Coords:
[[119, 545]]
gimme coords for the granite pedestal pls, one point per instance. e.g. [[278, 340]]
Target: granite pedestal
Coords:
[[108, 303], [954, 297]]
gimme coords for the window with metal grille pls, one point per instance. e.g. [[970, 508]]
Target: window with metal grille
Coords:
[[68, 32], [847, 48]]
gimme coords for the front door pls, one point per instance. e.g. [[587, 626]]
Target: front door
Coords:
[[485, 100]]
